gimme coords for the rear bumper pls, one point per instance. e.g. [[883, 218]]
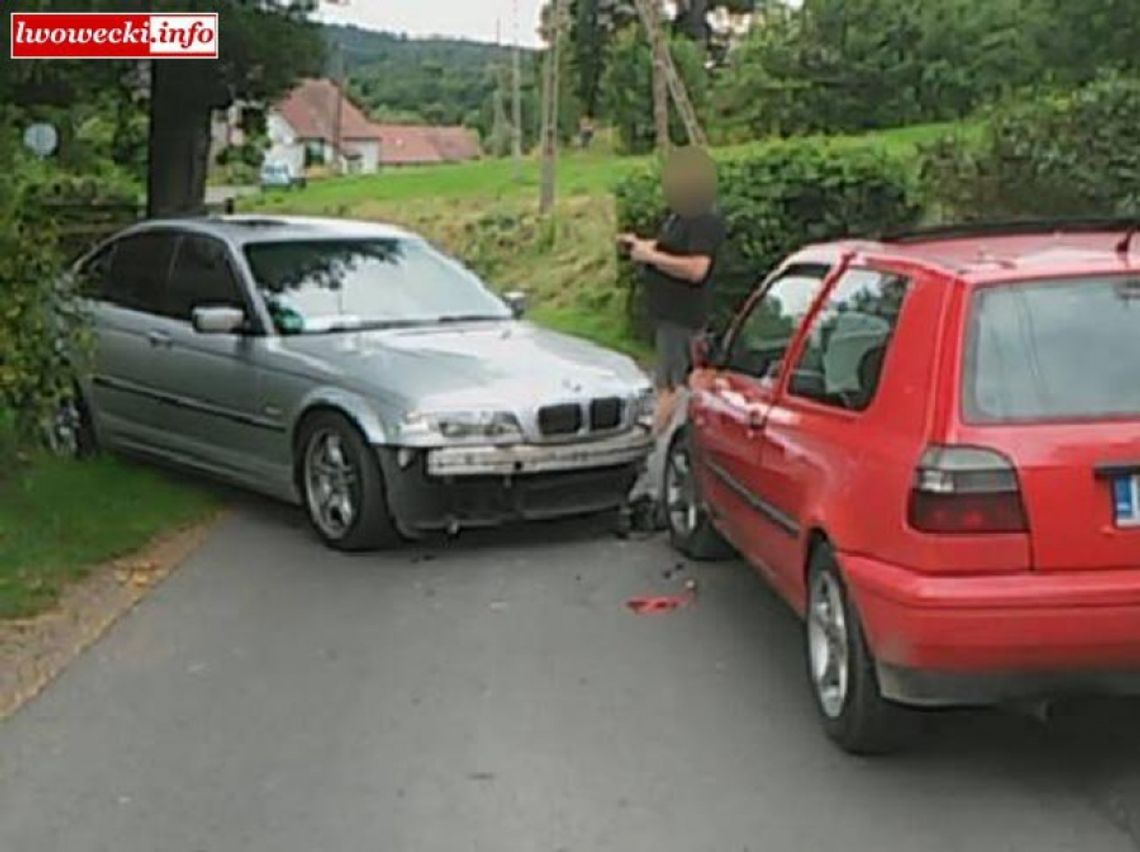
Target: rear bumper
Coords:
[[922, 688], [979, 639]]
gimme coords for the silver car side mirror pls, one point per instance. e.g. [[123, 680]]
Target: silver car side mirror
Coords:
[[217, 320], [516, 301]]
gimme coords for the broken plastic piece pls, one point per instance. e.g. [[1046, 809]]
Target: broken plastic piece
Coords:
[[658, 603]]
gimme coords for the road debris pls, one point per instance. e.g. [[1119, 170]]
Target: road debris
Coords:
[[654, 604]]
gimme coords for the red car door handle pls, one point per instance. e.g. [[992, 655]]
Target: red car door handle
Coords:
[[755, 420]]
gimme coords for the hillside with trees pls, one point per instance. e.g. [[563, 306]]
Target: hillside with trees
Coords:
[[431, 80]]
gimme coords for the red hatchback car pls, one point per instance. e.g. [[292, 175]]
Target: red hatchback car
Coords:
[[930, 447]]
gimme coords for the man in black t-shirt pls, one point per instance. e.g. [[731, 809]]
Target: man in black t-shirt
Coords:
[[677, 269]]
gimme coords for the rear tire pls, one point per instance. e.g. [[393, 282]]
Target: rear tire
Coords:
[[342, 487], [841, 670], [71, 433], [690, 529]]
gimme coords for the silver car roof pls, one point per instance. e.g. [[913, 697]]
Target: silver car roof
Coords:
[[255, 228]]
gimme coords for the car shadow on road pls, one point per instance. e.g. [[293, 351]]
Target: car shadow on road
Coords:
[[520, 534], [1087, 746]]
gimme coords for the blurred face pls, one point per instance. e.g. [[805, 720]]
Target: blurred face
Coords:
[[688, 181]]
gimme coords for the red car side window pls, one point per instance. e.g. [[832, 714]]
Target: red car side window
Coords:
[[843, 354], [763, 334]]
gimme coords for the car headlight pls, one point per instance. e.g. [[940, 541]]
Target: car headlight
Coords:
[[644, 407], [494, 426]]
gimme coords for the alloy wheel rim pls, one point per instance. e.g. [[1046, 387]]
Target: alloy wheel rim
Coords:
[[63, 433], [828, 644], [330, 484], [680, 499]]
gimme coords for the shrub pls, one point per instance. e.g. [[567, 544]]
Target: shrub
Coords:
[[41, 327], [1053, 155], [777, 197]]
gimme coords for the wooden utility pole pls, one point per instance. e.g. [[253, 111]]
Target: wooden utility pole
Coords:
[[500, 130], [651, 18], [516, 91], [684, 106], [338, 111], [667, 81], [550, 87]]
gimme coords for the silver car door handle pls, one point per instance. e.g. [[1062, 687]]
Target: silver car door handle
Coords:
[[158, 338]]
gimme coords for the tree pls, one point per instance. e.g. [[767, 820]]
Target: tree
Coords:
[[594, 23], [845, 65], [627, 86], [1082, 38], [392, 77], [265, 46]]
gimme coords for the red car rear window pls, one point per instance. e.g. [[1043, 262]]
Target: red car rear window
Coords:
[[1054, 350]]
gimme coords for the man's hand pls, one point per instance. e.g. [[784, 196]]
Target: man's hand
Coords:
[[693, 269], [642, 251]]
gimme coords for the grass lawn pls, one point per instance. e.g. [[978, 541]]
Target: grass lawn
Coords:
[[59, 517], [485, 181], [492, 180]]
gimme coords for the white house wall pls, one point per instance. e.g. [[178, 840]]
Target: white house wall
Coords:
[[284, 147], [368, 150]]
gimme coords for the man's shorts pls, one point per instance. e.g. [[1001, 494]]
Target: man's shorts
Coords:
[[674, 355]]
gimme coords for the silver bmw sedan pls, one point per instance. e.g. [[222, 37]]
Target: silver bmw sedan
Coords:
[[352, 368]]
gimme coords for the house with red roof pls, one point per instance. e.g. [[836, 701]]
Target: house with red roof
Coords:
[[317, 123]]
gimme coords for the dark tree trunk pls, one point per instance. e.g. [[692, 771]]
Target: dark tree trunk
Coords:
[[183, 94]]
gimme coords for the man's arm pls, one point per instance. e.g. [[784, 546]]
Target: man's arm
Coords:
[[692, 269]]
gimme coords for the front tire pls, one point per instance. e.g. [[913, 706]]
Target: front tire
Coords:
[[841, 669], [342, 486], [690, 529]]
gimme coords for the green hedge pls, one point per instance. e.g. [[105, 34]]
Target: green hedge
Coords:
[[777, 197], [43, 334], [1053, 155]]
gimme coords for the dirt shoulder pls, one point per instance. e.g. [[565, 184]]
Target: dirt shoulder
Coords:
[[33, 651]]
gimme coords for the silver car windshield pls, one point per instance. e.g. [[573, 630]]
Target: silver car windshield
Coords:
[[323, 286]]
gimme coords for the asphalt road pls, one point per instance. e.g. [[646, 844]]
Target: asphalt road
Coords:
[[494, 693]]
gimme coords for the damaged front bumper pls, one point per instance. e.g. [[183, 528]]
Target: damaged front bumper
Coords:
[[512, 459], [447, 488]]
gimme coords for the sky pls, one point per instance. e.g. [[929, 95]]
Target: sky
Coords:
[[474, 19]]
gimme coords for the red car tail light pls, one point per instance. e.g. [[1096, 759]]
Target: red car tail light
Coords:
[[966, 490]]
